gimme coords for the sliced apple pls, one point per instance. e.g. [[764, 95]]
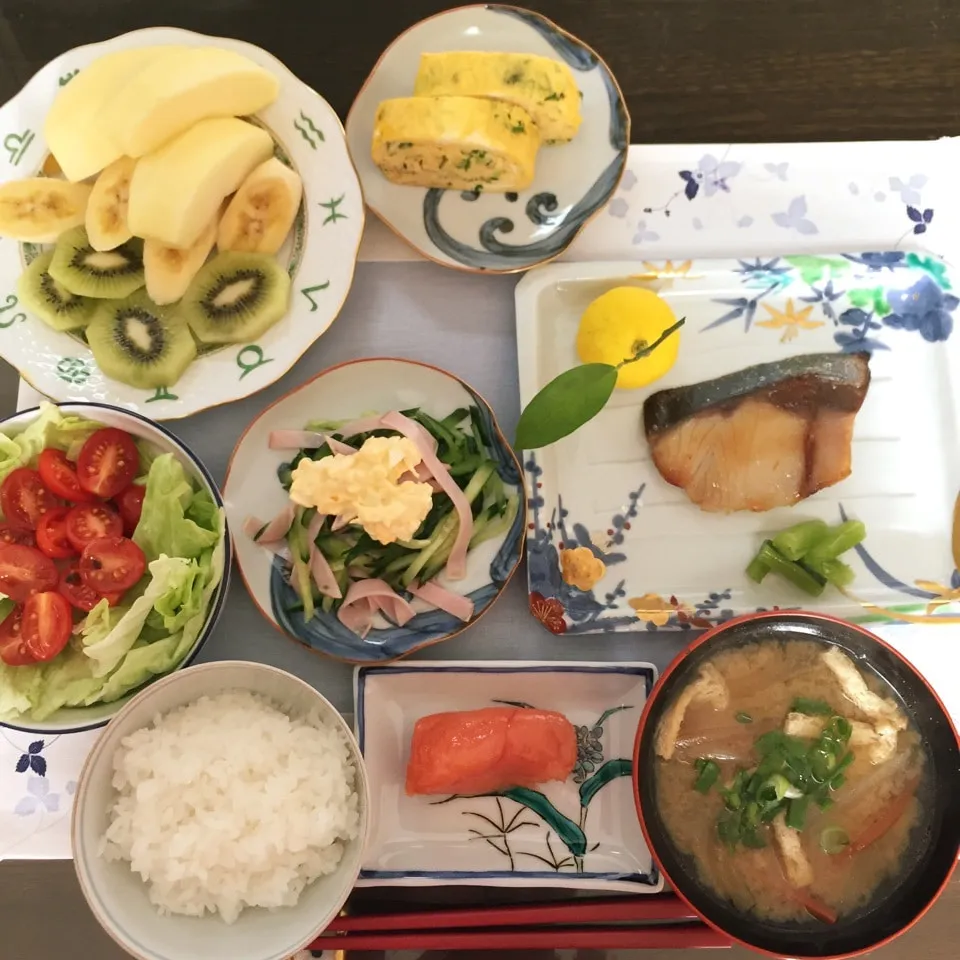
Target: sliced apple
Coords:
[[72, 131], [169, 96], [169, 270], [176, 190]]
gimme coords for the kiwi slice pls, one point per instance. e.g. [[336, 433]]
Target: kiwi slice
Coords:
[[236, 297], [51, 302], [103, 274], [140, 344]]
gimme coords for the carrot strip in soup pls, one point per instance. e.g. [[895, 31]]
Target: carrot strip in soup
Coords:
[[886, 818], [815, 907]]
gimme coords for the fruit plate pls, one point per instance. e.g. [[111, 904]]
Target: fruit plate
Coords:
[[581, 833], [251, 489], [320, 255], [669, 564], [497, 232]]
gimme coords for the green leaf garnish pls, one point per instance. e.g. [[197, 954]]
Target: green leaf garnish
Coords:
[[574, 397], [566, 403]]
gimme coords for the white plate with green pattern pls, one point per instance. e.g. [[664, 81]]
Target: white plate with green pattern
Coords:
[[320, 255]]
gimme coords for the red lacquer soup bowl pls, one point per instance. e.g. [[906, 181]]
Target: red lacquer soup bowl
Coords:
[[932, 845]]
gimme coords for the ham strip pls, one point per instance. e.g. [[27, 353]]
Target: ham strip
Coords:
[[457, 563], [273, 531], [365, 598], [295, 440], [453, 603], [338, 446]]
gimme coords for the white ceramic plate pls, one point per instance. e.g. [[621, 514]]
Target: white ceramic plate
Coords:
[[321, 254], [497, 233], [251, 488], [494, 840], [598, 488]]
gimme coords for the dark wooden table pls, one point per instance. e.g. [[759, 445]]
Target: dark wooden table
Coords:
[[692, 71]]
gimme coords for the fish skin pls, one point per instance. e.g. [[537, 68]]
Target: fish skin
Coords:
[[767, 436], [835, 380]]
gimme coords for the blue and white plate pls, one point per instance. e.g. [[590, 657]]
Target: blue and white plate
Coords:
[[579, 834], [670, 565], [251, 488], [497, 233]]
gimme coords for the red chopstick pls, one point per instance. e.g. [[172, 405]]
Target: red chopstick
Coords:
[[569, 913], [598, 938]]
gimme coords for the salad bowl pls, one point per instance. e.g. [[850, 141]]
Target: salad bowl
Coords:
[[254, 492], [161, 623]]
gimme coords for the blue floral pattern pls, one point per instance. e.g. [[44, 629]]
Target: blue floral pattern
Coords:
[[32, 760]]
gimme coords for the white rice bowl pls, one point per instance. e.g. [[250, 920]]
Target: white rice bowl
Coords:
[[228, 803], [229, 791]]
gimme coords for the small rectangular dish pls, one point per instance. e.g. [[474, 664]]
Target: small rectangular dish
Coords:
[[667, 563], [582, 833]]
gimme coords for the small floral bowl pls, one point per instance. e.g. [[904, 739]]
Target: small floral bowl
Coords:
[[507, 232]]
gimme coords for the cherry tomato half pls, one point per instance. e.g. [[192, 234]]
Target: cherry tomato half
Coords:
[[47, 622], [92, 521], [59, 476], [77, 593], [108, 462], [112, 564], [113, 599], [24, 499], [129, 503], [52, 536], [10, 534], [13, 651], [25, 570]]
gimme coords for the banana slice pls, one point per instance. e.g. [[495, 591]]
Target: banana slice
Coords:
[[262, 211], [38, 210], [106, 219], [169, 270]]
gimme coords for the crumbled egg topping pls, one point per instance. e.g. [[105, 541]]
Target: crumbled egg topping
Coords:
[[365, 487]]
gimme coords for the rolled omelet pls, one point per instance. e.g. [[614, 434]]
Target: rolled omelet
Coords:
[[455, 143], [545, 88]]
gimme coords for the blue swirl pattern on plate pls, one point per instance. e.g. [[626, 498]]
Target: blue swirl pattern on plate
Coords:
[[326, 634], [493, 253]]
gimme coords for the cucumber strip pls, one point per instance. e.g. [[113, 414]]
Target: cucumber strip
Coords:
[[303, 584], [494, 527], [796, 541], [479, 430], [413, 544], [440, 535], [453, 420]]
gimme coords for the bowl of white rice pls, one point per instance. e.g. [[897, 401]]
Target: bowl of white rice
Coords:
[[222, 813]]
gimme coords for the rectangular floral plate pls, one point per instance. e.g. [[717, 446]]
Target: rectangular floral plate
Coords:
[[668, 564], [580, 834]]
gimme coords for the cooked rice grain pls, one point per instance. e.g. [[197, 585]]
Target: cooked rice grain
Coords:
[[229, 803]]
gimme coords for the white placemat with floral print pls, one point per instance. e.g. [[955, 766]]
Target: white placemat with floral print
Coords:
[[675, 202]]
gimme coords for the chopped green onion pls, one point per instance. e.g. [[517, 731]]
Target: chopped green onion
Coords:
[[744, 717], [834, 840], [797, 812], [708, 774], [774, 788], [796, 541], [813, 708]]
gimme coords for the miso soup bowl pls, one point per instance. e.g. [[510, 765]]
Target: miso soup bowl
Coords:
[[931, 858]]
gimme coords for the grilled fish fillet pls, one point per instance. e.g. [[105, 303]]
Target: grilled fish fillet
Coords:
[[767, 436]]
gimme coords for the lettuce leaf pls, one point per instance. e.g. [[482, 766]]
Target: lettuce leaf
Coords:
[[50, 429], [165, 528]]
